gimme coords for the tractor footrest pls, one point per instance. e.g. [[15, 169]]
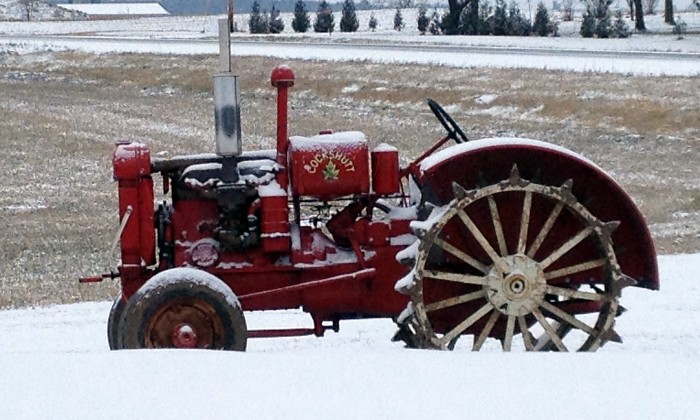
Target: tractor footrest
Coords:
[[292, 332]]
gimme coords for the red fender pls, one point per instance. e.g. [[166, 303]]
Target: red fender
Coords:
[[488, 161]]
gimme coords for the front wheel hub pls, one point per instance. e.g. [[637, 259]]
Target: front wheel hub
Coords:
[[184, 336], [516, 285]]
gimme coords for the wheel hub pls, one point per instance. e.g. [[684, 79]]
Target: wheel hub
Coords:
[[184, 336], [515, 285]]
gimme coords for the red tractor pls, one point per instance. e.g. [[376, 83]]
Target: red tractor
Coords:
[[509, 239]]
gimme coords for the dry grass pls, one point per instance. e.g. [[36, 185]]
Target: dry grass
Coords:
[[62, 112]]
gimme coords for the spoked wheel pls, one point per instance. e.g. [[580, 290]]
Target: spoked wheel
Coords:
[[183, 308], [524, 263]]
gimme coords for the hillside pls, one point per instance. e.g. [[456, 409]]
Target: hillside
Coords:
[[35, 10]]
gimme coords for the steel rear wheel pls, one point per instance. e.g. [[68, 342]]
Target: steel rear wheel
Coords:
[[183, 308], [521, 262]]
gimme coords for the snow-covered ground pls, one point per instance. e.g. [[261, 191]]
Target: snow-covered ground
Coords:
[[55, 364]]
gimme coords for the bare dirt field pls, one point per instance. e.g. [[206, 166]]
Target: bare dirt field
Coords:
[[62, 112]]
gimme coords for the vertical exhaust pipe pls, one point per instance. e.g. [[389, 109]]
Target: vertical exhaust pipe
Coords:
[[227, 112]]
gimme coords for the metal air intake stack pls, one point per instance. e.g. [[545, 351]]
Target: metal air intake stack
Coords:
[[227, 115]]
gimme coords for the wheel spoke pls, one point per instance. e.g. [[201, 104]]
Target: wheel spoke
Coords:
[[455, 277], [574, 294], [573, 269], [480, 238], [497, 226], [510, 328], [459, 329], [567, 317], [549, 329], [566, 247], [524, 222], [457, 300], [545, 230], [461, 255], [479, 341], [527, 337]]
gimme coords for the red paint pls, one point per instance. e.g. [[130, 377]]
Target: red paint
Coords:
[[327, 169], [602, 196], [282, 78], [385, 172], [184, 337]]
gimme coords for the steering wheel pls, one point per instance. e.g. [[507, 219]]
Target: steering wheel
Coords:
[[453, 130]]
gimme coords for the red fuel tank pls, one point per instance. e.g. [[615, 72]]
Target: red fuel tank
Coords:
[[385, 169], [328, 166]]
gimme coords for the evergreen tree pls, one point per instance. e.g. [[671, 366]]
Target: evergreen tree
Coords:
[[485, 20], [435, 23], [276, 24], [372, 22], [348, 20], [258, 22], [301, 21], [588, 24], [324, 18], [620, 28], [602, 28], [398, 20], [500, 19], [469, 20], [450, 23], [542, 23], [518, 25], [423, 20]]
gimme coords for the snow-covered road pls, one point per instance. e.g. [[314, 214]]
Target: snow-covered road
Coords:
[[564, 57], [55, 364]]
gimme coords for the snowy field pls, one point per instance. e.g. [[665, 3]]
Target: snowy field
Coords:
[[55, 364]]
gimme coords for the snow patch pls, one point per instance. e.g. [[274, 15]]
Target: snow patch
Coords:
[[486, 99], [350, 89]]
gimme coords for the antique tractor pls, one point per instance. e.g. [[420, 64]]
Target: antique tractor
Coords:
[[509, 239]]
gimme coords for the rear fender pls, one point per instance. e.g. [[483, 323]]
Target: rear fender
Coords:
[[488, 161]]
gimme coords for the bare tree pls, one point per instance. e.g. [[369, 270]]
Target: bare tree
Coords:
[[668, 12], [567, 10], [29, 6], [639, 16], [630, 3], [650, 6]]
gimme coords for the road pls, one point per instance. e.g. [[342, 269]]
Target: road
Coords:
[[626, 62]]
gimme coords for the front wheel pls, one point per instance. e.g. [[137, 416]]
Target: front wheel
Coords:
[[113, 322], [183, 308]]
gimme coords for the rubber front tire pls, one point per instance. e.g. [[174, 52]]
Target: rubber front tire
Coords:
[[183, 308], [113, 321]]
